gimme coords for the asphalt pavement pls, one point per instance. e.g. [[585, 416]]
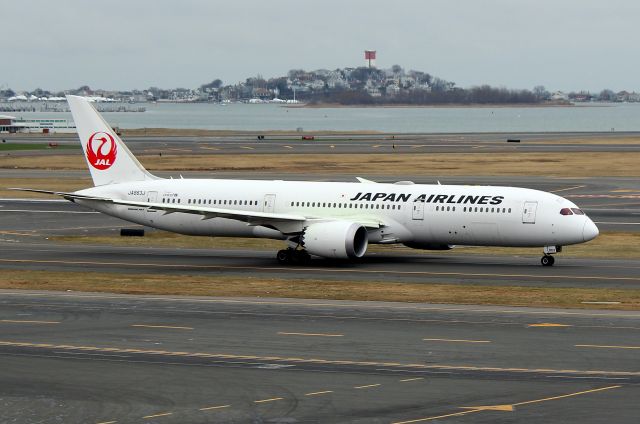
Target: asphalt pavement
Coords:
[[363, 143], [100, 358]]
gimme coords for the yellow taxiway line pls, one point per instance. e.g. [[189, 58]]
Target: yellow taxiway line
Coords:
[[505, 407], [607, 346], [163, 414], [367, 386], [172, 327], [283, 333], [319, 393], [267, 400], [227, 356], [209, 408], [548, 324]]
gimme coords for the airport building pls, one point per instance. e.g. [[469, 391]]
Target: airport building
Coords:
[[7, 124], [11, 124]]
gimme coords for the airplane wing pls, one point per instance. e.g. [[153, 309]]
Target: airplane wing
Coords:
[[286, 223]]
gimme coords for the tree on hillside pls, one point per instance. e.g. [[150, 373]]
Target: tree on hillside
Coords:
[[216, 83], [439, 84], [540, 92], [607, 96]]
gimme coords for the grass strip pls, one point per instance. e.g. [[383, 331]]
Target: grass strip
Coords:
[[241, 286], [567, 164]]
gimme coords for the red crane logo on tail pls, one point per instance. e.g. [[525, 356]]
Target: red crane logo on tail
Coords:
[[101, 150]]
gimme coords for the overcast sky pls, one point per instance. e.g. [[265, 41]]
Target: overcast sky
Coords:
[[126, 44]]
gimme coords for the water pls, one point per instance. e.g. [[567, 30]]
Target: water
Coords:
[[262, 117]]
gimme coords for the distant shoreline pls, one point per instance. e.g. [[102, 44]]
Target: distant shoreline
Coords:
[[438, 106]]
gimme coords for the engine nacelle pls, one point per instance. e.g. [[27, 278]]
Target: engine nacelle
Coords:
[[336, 239]]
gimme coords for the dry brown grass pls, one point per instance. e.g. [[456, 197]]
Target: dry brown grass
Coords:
[[569, 164], [317, 289], [53, 184]]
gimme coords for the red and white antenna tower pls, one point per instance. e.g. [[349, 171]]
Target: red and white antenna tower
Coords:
[[370, 58]]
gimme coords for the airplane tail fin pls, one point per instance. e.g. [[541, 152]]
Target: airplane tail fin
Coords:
[[109, 160]]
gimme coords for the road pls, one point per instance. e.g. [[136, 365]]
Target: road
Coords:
[[98, 358]]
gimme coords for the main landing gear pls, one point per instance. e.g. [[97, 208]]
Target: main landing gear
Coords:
[[547, 259], [293, 256]]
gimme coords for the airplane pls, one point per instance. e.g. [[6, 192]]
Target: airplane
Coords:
[[325, 219]]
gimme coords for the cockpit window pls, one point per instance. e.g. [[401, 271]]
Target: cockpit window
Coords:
[[577, 211], [565, 211]]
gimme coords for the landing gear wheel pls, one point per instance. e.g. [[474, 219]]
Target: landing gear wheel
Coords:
[[293, 256], [547, 260], [283, 256]]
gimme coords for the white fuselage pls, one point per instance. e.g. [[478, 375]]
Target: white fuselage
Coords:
[[415, 214]]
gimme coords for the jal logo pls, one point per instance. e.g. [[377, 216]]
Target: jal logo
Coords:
[[101, 150]]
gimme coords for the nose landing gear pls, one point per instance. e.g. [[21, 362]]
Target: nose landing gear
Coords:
[[547, 259]]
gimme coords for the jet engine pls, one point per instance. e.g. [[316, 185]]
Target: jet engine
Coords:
[[336, 239]]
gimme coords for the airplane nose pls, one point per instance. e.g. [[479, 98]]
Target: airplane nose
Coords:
[[589, 231]]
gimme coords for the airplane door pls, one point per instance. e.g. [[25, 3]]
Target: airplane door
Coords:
[[152, 197], [529, 212], [418, 210], [269, 202]]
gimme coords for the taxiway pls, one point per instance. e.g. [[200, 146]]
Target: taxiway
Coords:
[[99, 358]]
